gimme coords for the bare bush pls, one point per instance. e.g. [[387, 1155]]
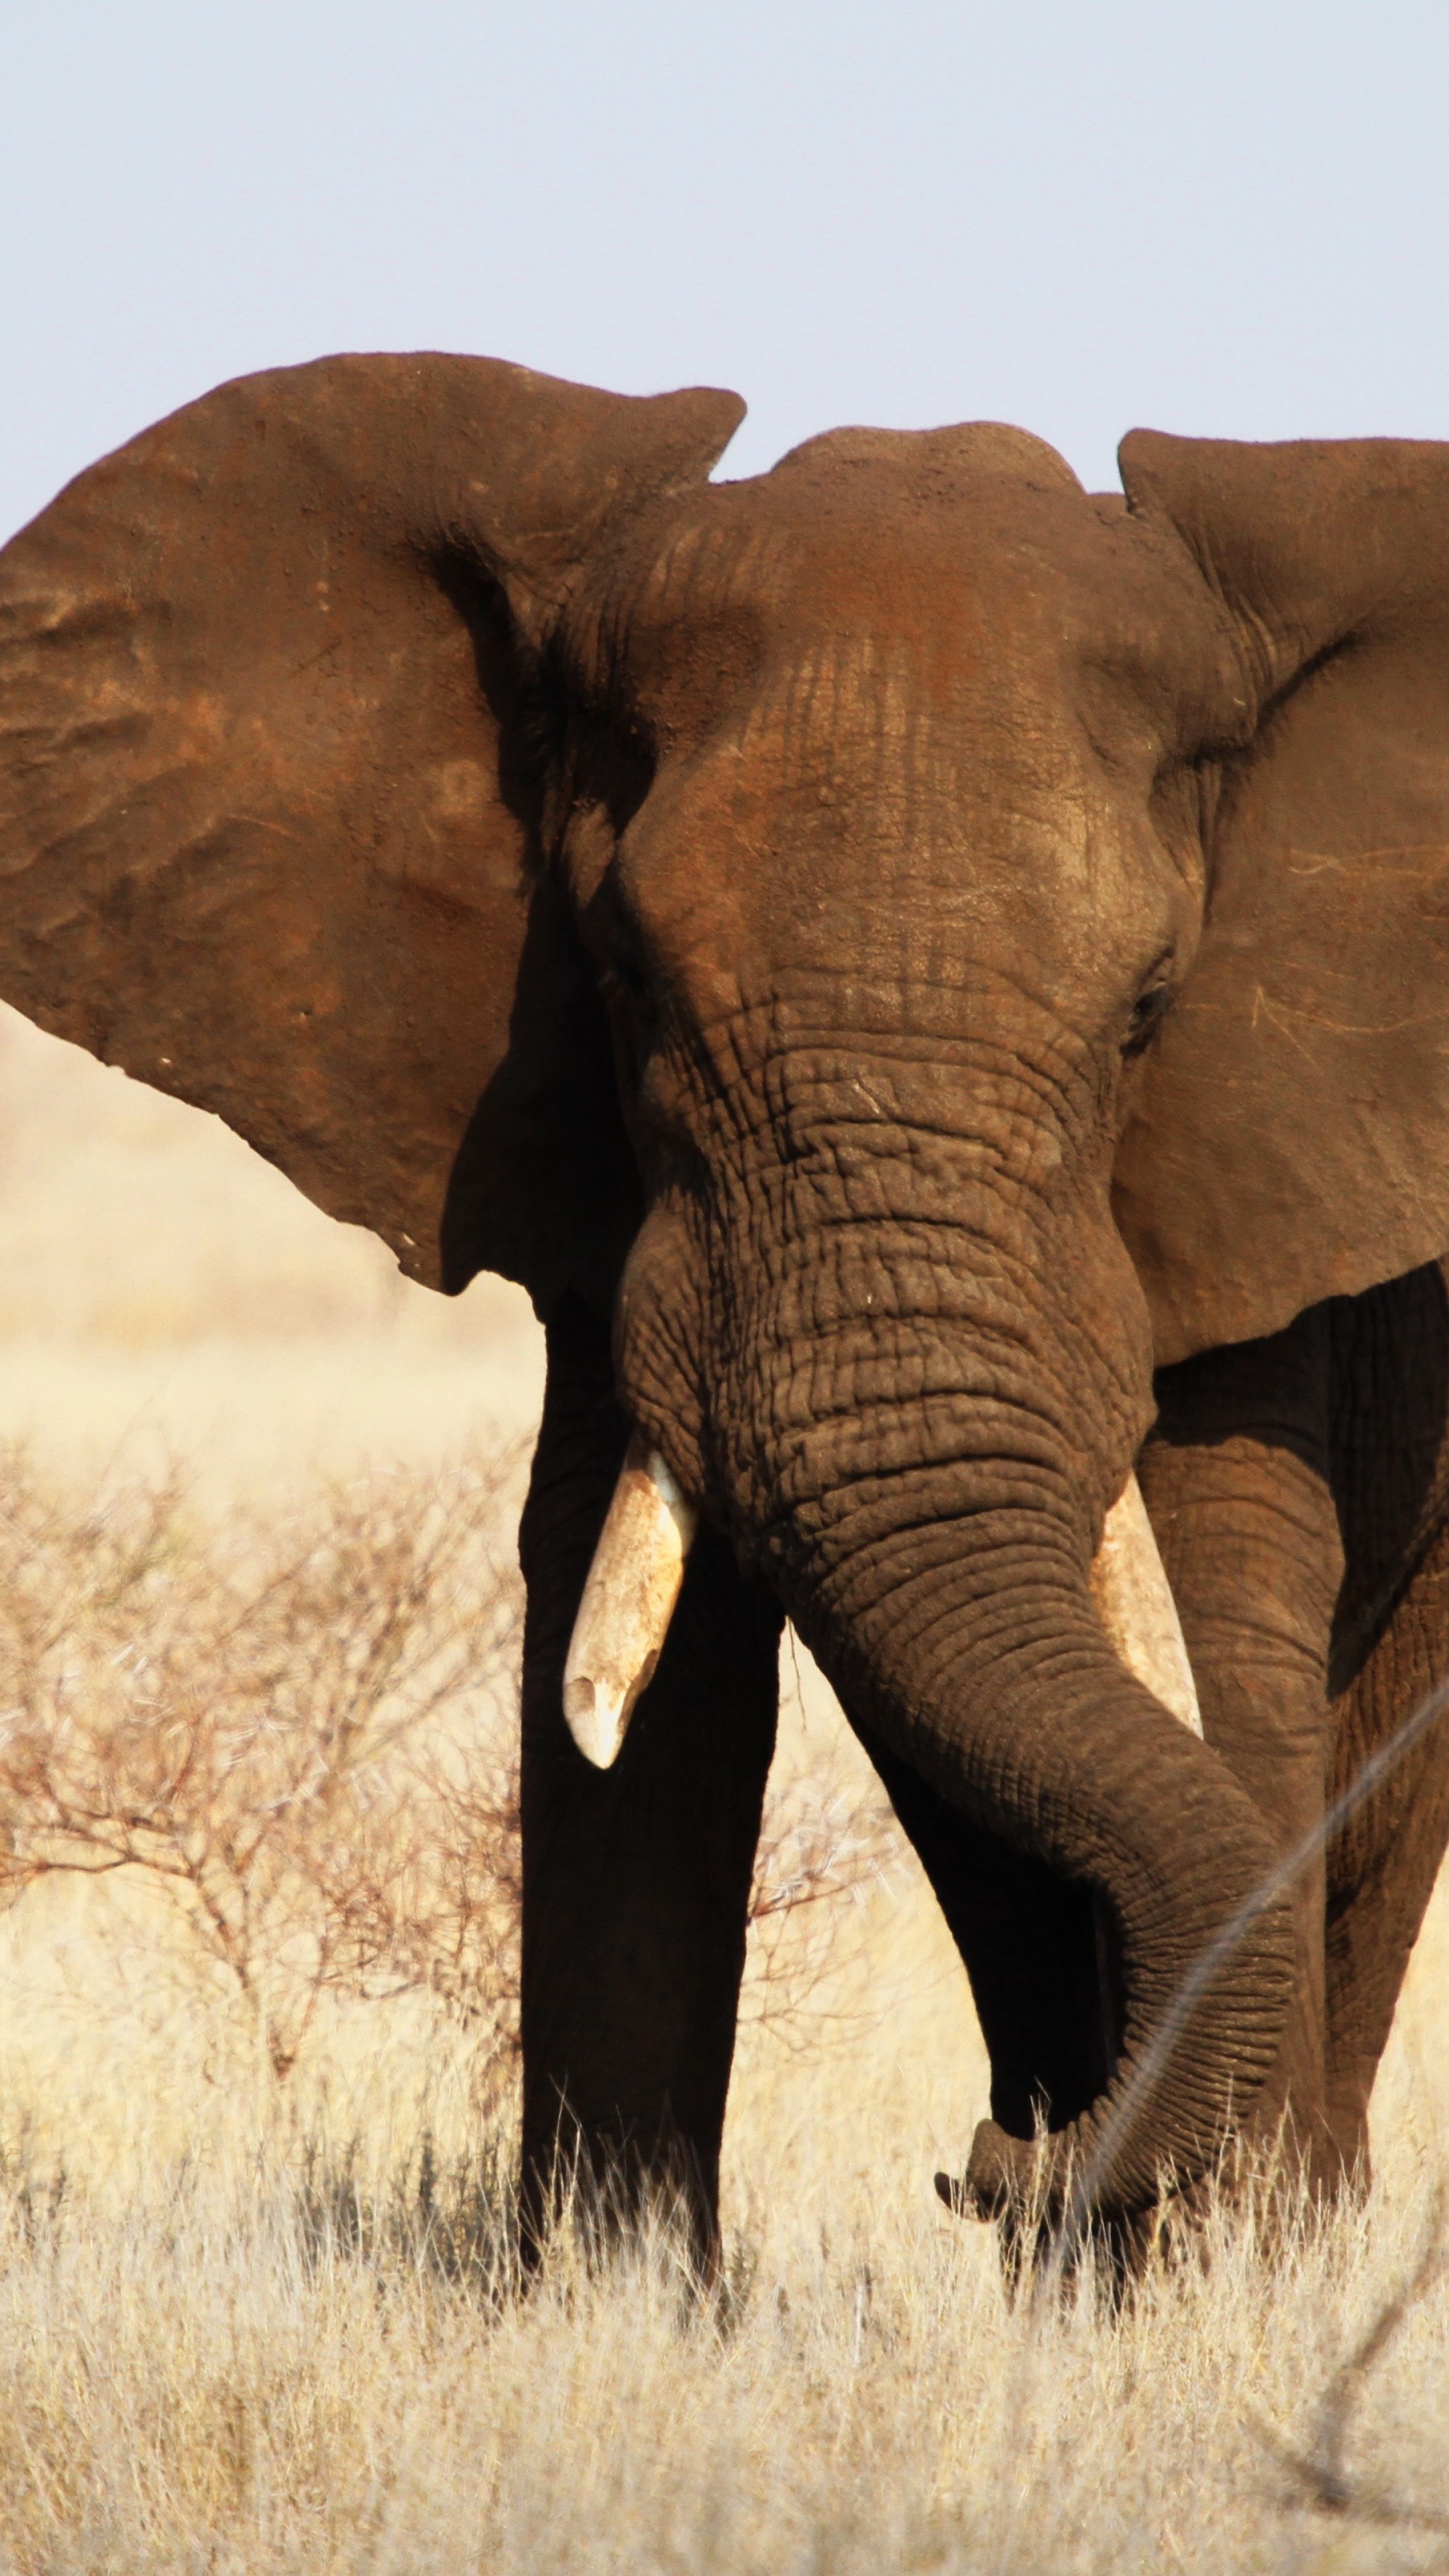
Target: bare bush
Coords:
[[422, 1890], [233, 1713], [302, 1736], [818, 1851]]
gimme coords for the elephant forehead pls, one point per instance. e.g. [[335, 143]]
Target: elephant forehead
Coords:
[[872, 699], [897, 712], [898, 850], [862, 606], [932, 580]]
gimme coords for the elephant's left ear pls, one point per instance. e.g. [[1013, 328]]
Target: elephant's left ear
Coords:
[[1290, 1139], [267, 772]]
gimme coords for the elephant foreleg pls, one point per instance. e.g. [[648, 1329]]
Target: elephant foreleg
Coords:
[[1383, 1864], [635, 1880], [1237, 1479], [1391, 1651]]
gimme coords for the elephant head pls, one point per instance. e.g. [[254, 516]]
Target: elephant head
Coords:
[[914, 943]]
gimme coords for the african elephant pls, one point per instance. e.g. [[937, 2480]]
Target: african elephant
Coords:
[[936, 983]]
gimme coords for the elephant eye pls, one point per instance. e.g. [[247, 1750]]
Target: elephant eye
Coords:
[[630, 1006], [623, 987], [1148, 1012]]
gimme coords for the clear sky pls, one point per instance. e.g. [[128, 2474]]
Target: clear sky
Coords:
[[1231, 218]]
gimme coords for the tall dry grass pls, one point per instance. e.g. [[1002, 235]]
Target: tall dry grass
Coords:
[[270, 2366], [262, 2312]]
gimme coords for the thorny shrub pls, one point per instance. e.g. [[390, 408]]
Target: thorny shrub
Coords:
[[303, 1733]]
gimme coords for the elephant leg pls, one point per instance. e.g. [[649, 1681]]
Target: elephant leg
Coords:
[[1030, 1948], [1391, 1650], [1237, 1481], [636, 1880], [1383, 1864]]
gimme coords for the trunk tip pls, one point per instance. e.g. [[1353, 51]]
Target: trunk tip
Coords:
[[993, 2180]]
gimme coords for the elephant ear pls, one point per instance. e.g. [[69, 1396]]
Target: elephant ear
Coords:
[[1290, 1138], [264, 804]]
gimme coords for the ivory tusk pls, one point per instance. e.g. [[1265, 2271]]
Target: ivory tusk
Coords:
[[1135, 1605], [627, 1603]]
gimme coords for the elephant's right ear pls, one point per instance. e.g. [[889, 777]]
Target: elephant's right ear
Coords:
[[264, 806], [1290, 1138]]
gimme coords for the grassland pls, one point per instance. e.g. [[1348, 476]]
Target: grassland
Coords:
[[259, 2320]]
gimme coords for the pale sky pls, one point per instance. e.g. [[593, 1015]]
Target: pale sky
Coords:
[[1231, 218]]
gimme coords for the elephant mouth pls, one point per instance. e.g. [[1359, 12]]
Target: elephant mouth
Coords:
[[638, 1568]]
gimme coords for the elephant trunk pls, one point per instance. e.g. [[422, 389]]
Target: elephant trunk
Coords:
[[917, 1386], [1009, 1699], [944, 1584]]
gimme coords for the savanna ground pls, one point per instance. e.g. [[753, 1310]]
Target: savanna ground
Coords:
[[257, 1612]]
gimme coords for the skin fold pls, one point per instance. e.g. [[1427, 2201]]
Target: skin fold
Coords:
[[935, 982]]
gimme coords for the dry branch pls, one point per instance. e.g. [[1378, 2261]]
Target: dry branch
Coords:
[[303, 1736], [1320, 2471], [232, 1714]]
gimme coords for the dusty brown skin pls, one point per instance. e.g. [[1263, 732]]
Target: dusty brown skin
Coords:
[[887, 953]]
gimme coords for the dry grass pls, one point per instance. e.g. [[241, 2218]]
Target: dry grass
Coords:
[[264, 2368], [261, 2313], [256, 2307]]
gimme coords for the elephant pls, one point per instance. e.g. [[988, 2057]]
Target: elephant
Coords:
[[935, 982]]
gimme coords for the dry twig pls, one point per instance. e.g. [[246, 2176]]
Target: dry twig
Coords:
[[233, 1719], [302, 1736], [1320, 2471]]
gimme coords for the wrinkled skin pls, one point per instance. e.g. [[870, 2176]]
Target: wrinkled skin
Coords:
[[935, 984]]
